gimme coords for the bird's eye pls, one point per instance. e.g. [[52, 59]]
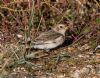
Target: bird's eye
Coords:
[[61, 26]]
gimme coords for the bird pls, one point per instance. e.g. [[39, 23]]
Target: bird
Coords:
[[51, 39]]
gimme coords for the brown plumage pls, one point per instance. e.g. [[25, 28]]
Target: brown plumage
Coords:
[[51, 39]]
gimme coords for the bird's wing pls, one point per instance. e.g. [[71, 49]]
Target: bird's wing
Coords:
[[47, 37]]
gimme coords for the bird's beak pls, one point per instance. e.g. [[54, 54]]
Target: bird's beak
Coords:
[[67, 27]]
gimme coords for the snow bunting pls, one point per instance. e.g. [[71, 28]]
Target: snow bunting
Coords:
[[51, 39]]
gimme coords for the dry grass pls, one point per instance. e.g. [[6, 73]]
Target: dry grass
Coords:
[[20, 20]]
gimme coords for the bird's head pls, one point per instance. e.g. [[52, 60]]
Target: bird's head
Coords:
[[61, 28]]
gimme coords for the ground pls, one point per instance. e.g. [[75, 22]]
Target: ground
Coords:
[[78, 57]]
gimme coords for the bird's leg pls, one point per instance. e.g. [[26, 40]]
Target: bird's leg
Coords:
[[47, 51]]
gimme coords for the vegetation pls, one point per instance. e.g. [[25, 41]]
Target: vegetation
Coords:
[[23, 20]]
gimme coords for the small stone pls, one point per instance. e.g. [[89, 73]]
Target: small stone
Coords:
[[19, 36], [98, 47], [61, 76]]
